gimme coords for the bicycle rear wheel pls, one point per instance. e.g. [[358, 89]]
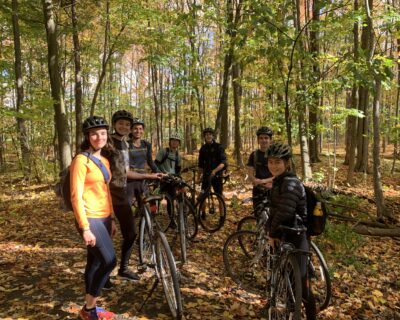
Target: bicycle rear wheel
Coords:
[[320, 279], [287, 298], [212, 210], [247, 260], [168, 275], [247, 223]]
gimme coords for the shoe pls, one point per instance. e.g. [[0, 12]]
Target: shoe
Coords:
[[203, 215], [104, 315], [88, 315], [128, 274], [108, 285]]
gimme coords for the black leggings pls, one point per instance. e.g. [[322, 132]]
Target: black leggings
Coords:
[[126, 220], [101, 259]]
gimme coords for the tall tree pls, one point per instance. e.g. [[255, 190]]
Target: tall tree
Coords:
[[19, 85], [61, 121], [363, 94], [77, 75], [315, 99], [352, 121]]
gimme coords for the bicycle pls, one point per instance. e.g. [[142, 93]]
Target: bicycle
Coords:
[[183, 209], [284, 293], [319, 270], [318, 267], [155, 252], [246, 255], [210, 206]]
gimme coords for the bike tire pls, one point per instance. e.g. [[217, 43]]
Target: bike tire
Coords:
[[247, 223], [190, 219], [247, 260], [146, 246], [165, 211], [168, 275], [213, 217], [182, 232], [320, 279], [287, 299]]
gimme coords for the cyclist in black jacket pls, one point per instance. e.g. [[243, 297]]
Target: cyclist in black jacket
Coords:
[[289, 208], [212, 161]]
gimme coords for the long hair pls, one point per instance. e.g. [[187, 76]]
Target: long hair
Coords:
[[105, 151]]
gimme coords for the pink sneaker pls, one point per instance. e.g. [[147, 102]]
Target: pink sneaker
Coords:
[[104, 315]]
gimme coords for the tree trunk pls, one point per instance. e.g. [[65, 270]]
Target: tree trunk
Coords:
[[61, 121], [237, 98], [313, 117], [352, 123], [106, 56], [362, 130], [154, 81], [19, 85], [396, 139], [379, 198], [78, 77]]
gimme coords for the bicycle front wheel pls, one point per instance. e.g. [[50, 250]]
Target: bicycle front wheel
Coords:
[[190, 219], [182, 232], [247, 223], [165, 212], [286, 300], [212, 210], [146, 247], [320, 279], [247, 260], [168, 275]]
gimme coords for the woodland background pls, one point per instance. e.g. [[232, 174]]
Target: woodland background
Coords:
[[325, 75]]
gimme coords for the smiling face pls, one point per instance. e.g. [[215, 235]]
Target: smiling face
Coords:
[[122, 127], [264, 141], [137, 131], [277, 166], [208, 137], [97, 138], [174, 143]]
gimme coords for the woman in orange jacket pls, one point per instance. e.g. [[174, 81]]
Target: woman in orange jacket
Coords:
[[92, 205]]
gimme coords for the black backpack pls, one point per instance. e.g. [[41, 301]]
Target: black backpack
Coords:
[[315, 223], [165, 157], [63, 187]]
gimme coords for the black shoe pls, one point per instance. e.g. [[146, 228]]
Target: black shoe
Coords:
[[127, 274], [108, 285], [203, 215]]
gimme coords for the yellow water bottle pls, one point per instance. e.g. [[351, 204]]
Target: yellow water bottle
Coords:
[[318, 210], [317, 222]]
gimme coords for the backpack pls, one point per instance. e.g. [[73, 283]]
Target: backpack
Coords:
[[165, 157], [63, 187], [315, 223]]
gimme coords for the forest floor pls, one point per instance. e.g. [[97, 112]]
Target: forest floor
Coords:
[[42, 261]]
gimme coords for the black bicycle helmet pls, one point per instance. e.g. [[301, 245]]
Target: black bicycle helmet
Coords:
[[94, 122], [265, 130], [208, 130], [137, 121], [279, 150], [122, 114]]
